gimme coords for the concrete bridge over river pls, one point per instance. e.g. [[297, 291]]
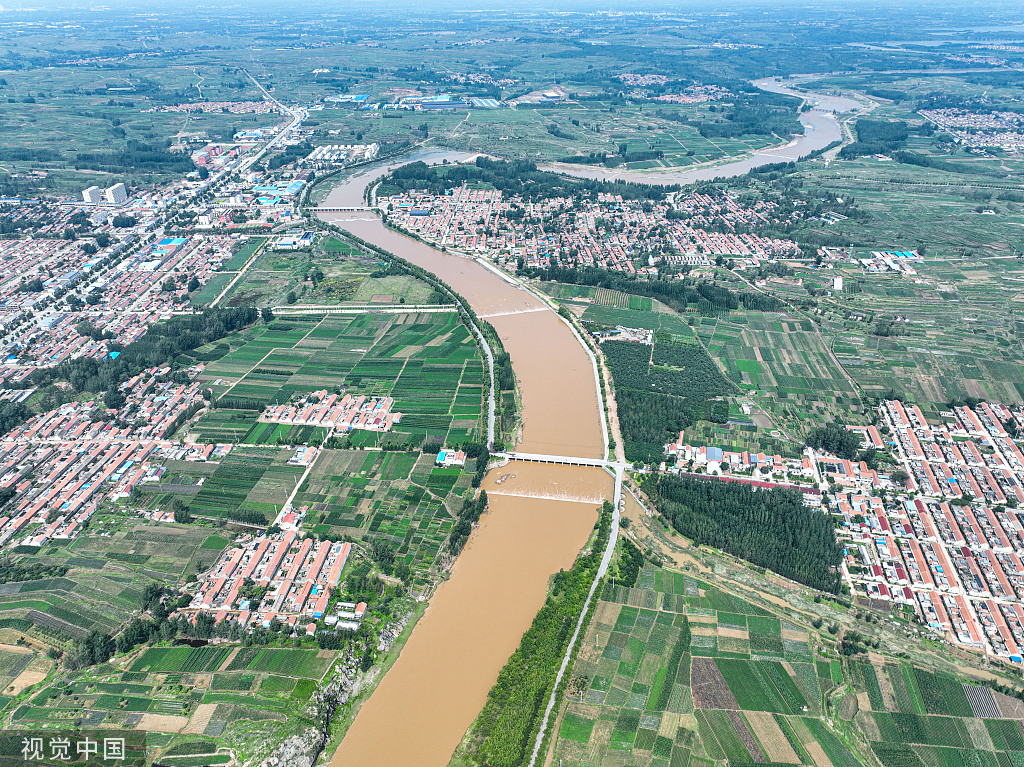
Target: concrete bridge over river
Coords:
[[563, 460]]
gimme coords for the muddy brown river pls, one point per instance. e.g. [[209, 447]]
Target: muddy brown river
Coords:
[[538, 518], [820, 129]]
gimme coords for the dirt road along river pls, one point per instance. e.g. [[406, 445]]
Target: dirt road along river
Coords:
[[538, 519], [539, 515]]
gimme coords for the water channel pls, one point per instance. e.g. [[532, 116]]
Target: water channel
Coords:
[[539, 516], [821, 128]]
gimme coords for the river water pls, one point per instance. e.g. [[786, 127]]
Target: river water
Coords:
[[538, 518], [539, 515], [820, 129]]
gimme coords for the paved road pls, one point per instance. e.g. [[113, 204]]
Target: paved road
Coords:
[[562, 459], [601, 571]]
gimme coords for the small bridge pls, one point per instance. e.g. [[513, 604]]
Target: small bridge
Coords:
[[563, 460], [342, 210]]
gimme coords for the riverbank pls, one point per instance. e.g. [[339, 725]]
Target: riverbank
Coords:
[[538, 519], [821, 129]]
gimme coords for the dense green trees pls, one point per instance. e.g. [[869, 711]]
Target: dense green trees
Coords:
[[93, 649], [239, 403], [631, 561], [468, 516], [630, 363], [248, 517], [289, 154], [836, 439], [383, 554], [656, 401], [88, 328], [756, 113], [12, 414], [506, 727], [518, 177], [876, 137], [612, 160], [682, 369], [769, 527], [647, 419], [887, 327], [136, 156]]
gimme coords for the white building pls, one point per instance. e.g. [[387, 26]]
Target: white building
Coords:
[[113, 195], [116, 194]]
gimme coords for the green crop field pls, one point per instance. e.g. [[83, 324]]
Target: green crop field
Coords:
[[248, 481], [653, 686], [962, 302], [188, 660], [175, 682], [243, 254], [401, 498], [292, 663], [106, 576], [782, 359], [611, 316], [427, 362], [344, 275]]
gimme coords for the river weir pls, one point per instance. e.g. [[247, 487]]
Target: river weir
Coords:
[[539, 515], [538, 519]]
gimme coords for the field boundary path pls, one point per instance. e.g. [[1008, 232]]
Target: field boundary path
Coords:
[[293, 310], [606, 559], [245, 267]]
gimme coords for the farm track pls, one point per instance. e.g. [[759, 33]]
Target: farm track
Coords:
[[850, 379], [241, 272]]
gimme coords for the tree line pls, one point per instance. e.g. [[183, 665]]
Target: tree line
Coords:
[[16, 570], [161, 343], [769, 527], [136, 156], [758, 114], [836, 439], [504, 732], [678, 294], [468, 516], [516, 178]]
